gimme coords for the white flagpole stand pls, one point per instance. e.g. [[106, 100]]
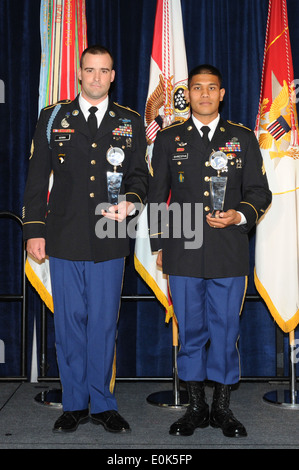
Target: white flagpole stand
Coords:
[[52, 397], [174, 398], [286, 398]]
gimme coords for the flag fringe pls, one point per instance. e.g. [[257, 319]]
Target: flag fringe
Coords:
[[39, 286], [150, 281], [286, 327]]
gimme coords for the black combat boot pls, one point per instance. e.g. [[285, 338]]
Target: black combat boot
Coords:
[[221, 416], [197, 414]]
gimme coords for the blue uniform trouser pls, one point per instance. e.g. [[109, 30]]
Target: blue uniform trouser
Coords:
[[86, 298], [208, 310]]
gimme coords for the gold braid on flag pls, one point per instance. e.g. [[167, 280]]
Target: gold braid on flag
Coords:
[[155, 102]]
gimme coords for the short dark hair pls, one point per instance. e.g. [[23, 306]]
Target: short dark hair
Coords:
[[96, 49], [205, 68]]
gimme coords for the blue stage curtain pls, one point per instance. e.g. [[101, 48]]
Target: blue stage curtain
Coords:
[[227, 33], [19, 73]]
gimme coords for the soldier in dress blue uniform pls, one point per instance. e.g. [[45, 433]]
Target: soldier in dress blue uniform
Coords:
[[88, 145], [207, 276]]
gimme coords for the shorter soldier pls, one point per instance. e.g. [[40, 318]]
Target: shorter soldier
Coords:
[[207, 280], [96, 151]]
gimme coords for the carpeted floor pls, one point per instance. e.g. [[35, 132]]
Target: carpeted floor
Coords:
[[27, 424]]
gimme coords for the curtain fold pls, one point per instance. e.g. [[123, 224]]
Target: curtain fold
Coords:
[[19, 64]]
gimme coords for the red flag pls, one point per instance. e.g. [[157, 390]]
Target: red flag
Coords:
[[277, 236]]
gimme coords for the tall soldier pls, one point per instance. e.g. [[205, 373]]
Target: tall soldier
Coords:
[[208, 279], [96, 151]]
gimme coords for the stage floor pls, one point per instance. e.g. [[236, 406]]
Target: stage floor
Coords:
[[27, 424]]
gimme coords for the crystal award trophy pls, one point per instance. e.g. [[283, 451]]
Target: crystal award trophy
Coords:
[[218, 161], [115, 157]]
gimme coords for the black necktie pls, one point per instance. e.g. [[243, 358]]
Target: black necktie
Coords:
[[92, 120], [205, 130]]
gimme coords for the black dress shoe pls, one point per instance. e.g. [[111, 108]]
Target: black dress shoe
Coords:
[[111, 420], [70, 420]]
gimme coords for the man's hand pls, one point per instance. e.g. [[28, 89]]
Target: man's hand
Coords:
[[119, 212], [224, 219], [159, 259], [36, 247]]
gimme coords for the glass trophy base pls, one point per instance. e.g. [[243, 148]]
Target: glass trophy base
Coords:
[[217, 190], [114, 181]]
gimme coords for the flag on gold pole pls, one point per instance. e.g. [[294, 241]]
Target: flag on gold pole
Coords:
[[63, 39], [277, 235], [165, 104]]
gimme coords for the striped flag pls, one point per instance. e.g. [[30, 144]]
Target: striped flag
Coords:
[[63, 39], [277, 236], [165, 104]]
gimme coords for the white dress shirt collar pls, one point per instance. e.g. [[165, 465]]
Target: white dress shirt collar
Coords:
[[102, 108], [212, 125]]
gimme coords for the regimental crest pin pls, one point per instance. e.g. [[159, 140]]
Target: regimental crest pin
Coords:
[[65, 123]]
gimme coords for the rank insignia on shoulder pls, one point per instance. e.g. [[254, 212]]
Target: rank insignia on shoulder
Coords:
[[239, 124], [126, 107], [59, 103]]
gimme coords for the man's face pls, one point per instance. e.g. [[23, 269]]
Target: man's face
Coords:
[[96, 76], [204, 95]]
